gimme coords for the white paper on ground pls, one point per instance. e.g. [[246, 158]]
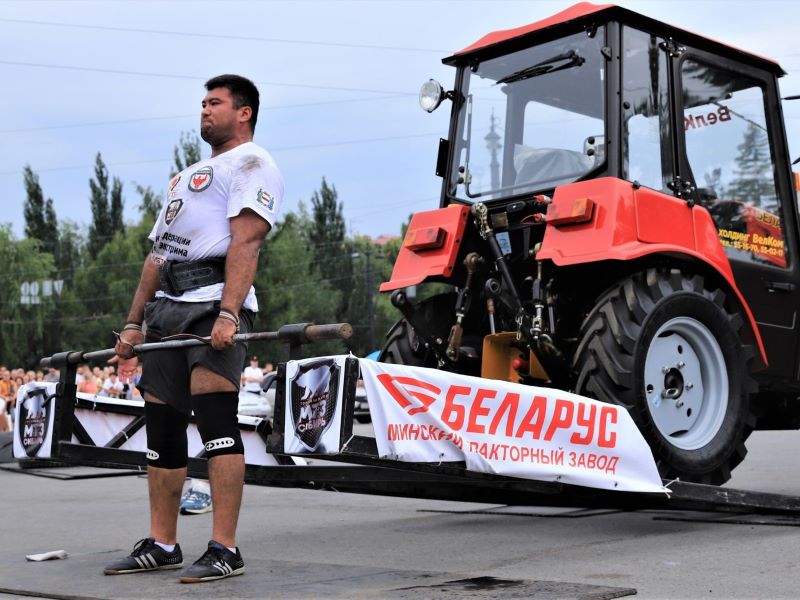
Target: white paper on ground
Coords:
[[52, 555]]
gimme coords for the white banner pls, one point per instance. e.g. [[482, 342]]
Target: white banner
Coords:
[[426, 415]]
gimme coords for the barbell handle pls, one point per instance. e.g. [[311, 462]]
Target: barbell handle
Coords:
[[312, 333]]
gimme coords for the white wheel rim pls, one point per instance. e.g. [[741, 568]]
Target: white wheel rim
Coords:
[[686, 383]]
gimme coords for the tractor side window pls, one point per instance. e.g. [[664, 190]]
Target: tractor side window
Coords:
[[646, 148], [728, 149]]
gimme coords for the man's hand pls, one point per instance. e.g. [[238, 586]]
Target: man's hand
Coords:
[[126, 359], [222, 333]]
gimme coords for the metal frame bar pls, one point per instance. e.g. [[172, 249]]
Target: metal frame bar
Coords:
[[366, 472]]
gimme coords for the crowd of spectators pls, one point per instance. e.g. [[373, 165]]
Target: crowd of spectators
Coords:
[[100, 381], [105, 382]]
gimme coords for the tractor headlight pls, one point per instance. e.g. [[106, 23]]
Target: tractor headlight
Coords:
[[431, 95]]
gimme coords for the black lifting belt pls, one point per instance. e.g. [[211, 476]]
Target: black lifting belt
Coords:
[[178, 277]]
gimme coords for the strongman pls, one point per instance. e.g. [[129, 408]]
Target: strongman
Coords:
[[198, 280]]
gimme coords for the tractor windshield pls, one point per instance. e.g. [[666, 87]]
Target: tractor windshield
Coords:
[[531, 120]]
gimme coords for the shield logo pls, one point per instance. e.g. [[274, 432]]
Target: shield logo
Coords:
[[314, 393], [173, 182], [33, 422], [201, 179], [173, 208]]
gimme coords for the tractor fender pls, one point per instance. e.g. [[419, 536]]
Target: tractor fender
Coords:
[[612, 219], [430, 246]]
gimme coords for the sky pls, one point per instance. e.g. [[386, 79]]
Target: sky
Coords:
[[338, 80]]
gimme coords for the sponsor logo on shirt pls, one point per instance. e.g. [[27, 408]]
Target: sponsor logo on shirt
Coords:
[[265, 199], [173, 208], [173, 182], [201, 179]]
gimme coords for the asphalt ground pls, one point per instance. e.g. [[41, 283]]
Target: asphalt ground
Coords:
[[316, 544]]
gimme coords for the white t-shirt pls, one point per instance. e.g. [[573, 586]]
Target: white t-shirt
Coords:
[[113, 387], [254, 372], [193, 223]]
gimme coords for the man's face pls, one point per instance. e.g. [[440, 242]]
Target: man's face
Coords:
[[218, 119]]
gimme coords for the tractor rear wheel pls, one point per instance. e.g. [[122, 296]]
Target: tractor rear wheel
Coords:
[[404, 347], [662, 344]]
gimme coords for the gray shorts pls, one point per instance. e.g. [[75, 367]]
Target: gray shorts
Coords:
[[166, 374]]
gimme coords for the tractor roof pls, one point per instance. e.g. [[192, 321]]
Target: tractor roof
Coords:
[[585, 13]]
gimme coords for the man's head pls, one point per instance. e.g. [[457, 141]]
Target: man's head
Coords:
[[253, 361], [229, 108]]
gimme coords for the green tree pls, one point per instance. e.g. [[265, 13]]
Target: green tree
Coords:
[[103, 289], [69, 255], [50, 242], [290, 289], [117, 206], [25, 324], [326, 234], [371, 267], [186, 152], [151, 203], [40, 216], [100, 229], [327, 225], [754, 180]]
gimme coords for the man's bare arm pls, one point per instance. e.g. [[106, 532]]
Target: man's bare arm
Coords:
[[149, 283], [248, 231]]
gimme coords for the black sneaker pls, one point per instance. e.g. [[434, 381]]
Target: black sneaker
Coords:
[[217, 563], [146, 556]]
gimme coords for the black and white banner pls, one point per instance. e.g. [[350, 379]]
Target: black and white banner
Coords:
[[313, 415], [33, 420]]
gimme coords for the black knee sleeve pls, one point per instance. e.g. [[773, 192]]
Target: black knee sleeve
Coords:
[[167, 447], [217, 422]]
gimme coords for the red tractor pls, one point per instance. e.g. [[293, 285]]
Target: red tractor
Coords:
[[618, 218]]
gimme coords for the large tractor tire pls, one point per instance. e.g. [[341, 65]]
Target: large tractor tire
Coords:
[[663, 344]]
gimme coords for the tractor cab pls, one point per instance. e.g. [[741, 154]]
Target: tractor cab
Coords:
[[599, 91]]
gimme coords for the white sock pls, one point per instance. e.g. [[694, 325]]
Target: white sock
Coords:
[[232, 549], [200, 486], [167, 547]]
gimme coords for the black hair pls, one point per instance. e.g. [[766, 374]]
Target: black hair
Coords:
[[244, 92]]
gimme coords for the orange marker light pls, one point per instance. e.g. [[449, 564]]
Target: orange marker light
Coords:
[[580, 211], [426, 238]]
